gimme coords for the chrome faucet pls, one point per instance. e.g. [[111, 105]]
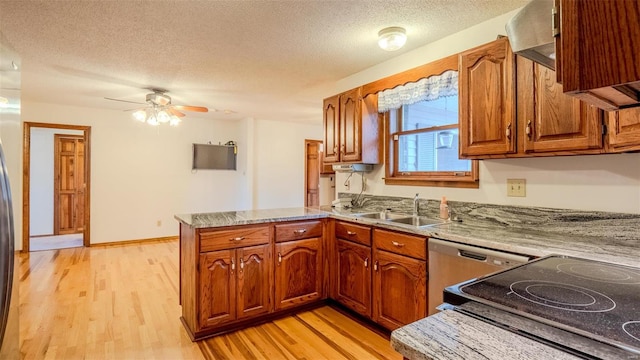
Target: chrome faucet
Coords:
[[416, 205]]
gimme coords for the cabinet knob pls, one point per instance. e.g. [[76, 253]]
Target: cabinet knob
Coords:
[[239, 238], [366, 262], [299, 231], [279, 258], [375, 266], [527, 130], [508, 131], [350, 233], [397, 244]]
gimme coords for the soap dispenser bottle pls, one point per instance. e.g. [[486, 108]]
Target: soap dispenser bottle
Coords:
[[444, 209]]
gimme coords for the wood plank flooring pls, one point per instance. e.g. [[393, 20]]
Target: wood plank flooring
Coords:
[[121, 302]]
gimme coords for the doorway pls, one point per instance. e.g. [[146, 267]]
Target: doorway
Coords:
[[56, 186]]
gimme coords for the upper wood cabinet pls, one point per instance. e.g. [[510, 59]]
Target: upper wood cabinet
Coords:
[[352, 128], [487, 100], [597, 58], [549, 120]]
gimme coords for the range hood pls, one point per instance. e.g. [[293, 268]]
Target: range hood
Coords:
[[531, 32], [352, 167]]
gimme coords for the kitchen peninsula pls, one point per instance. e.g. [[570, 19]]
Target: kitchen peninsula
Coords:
[[223, 254]]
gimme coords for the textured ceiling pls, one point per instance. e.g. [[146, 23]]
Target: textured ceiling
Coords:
[[261, 59]]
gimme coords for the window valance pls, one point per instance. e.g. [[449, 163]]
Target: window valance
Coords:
[[429, 88]]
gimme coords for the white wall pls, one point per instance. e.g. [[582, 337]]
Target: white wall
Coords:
[[279, 162], [596, 182], [41, 179]]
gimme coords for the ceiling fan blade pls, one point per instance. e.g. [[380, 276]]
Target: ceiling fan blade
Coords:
[[191, 108], [127, 101], [176, 112]]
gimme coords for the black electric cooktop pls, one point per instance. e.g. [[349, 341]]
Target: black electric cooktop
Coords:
[[595, 299]]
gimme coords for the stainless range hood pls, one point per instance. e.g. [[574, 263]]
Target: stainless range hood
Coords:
[[352, 167], [531, 32]]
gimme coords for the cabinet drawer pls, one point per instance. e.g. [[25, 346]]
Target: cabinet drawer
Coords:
[[353, 232], [402, 244], [298, 230], [211, 240]]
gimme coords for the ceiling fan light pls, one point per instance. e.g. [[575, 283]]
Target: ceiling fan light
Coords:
[[174, 121], [140, 115], [153, 120], [163, 116], [392, 38]]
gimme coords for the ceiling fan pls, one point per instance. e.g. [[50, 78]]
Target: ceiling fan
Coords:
[[159, 109]]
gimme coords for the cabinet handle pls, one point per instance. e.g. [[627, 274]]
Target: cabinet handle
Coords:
[[300, 231], [335, 149], [279, 258], [508, 132], [350, 233], [239, 238], [233, 265], [527, 130], [241, 264], [366, 262], [375, 266], [397, 244]]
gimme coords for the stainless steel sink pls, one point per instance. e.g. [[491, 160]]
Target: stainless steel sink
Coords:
[[382, 215], [417, 221]]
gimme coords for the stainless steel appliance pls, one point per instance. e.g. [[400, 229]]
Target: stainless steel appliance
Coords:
[[451, 263], [6, 251], [585, 307]]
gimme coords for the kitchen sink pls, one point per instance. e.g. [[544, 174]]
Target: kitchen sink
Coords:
[[417, 221], [383, 215]]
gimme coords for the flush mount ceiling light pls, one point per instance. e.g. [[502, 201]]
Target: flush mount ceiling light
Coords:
[[392, 38]]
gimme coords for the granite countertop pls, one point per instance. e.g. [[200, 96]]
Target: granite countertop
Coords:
[[230, 218]]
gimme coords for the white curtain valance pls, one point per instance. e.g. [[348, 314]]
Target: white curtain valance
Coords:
[[429, 88]]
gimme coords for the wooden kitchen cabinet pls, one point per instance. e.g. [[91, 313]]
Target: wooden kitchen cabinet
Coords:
[[487, 100], [354, 276], [400, 286], [234, 284], [352, 128], [623, 130], [298, 272], [549, 120], [597, 58]]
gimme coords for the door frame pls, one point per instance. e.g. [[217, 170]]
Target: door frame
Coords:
[[26, 178]]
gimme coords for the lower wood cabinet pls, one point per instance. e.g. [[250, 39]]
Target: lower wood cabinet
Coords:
[[234, 284], [399, 288], [354, 276], [298, 272]]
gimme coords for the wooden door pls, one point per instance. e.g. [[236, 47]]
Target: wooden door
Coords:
[[487, 100], [624, 129], [254, 281], [312, 173], [298, 274], [331, 119], [217, 288], [69, 184], [399, 288], [350, 126], [354, 276], [551, 120]]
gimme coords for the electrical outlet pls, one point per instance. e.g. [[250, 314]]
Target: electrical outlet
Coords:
[[159, 223], [516, 187]]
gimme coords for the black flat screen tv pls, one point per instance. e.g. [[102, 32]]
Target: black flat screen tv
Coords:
[[214, 157]]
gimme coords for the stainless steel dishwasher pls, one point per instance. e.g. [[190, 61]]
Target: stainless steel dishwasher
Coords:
[[451, 263]]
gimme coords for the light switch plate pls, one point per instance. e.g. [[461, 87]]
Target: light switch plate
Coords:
[[517, 187]]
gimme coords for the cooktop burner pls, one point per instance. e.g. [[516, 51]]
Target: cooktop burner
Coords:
[[594, 299]]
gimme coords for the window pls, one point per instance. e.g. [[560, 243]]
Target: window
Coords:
[[422, 138]]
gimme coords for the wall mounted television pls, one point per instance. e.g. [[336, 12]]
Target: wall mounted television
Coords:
[[214, 157]]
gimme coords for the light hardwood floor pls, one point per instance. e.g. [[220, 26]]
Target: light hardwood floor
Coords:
[[121, 302]]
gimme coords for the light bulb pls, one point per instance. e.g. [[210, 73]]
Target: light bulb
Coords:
[[392, 38], [163, 116], [153, 120], [140, 115], [174, 121]]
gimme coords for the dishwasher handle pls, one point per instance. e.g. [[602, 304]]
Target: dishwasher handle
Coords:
[[495, 257]]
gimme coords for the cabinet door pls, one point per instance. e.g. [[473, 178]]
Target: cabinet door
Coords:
[[331, 118], [551, 120], [487, 100], [354, 276], [624, 129], [217, 288], [254, 281], [350, 126], [399, 288], [298, 275]]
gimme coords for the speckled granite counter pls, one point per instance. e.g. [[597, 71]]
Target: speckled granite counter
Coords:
[[229, 218]]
